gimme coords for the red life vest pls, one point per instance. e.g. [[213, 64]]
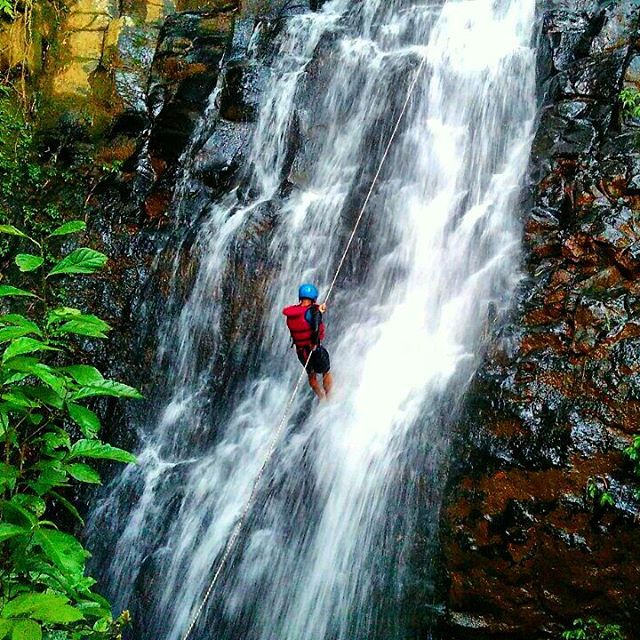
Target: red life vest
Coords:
[[301, 330]]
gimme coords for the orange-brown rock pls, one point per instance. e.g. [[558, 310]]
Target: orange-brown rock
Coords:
[[528, 545]]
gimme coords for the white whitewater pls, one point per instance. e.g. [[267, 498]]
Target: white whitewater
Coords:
[[327, 547]]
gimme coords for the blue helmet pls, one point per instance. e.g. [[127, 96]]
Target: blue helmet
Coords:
[[308, 291]]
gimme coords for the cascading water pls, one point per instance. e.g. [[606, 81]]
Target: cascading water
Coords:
[[325, 552]]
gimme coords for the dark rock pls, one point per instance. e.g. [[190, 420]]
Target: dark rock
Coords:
[[570, 36], [597, 318], [571, 109], [218, 160], [183, 74], [632, 75], [621, 21], [588, 435], [597, 79], [240, 91], [558, 395]]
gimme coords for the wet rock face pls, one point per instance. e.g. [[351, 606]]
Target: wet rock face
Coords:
[[135, 216], [208, 72], [150, 134], [184, 72], [527, 548]]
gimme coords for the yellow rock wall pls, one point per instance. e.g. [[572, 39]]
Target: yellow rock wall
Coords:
[[21, 41], [76, 72], [87, 37], [89, 60]]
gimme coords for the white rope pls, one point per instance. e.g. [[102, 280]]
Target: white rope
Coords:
[[233, 538], [247, 507], [376, 176]]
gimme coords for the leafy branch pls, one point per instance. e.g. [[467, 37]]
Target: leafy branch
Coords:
[[591, 629], [597, 490], [49, 439], [7, 8], [630, 100]]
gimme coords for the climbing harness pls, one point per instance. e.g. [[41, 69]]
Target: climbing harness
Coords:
[[235, 534]]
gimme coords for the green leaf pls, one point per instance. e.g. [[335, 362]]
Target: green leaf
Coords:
[[82, 260], [68, 506], [10, 230], [25, 363], [51, 475], [15, 399], [97, 449], [11, 531], [56, 438], [85, 325], [101, 600], [107, 388], [86, 419], [28, 262], [49, 376], [45, 607], [93, 610], [69, 227], [84, 374], [16, 514], [8, 475], [43, 395], [61, 314], [55, 579], [6, 291], [34, 504], [19, 320], [5, 627], [606, 499], [26, 630], [102, 626], [12, 379], [4, 422], [11, 333], [84, 473], [63, 550], [7, 7], [23, 345]]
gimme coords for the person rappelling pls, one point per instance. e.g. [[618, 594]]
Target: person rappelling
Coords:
[[305, 324]]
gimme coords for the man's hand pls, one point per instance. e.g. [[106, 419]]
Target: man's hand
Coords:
[[322, 307]]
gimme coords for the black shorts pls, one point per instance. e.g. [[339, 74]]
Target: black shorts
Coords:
[[319, 362]]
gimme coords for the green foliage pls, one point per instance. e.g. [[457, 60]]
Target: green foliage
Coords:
[[48, 441], [82, 260], [630, 99], [7, 8], [591, 629], [43, 178], [115, 166], [597, 491]]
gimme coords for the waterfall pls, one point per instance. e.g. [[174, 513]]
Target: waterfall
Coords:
[[327, 548]]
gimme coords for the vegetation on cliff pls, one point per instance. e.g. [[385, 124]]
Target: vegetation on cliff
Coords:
[[49, 437], [593, 630], [43, 179]]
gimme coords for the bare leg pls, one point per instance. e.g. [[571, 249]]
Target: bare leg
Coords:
[[315, 385], [327, 383]]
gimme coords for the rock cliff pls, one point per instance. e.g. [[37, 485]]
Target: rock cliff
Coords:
[[528, 543], [526, 547]]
